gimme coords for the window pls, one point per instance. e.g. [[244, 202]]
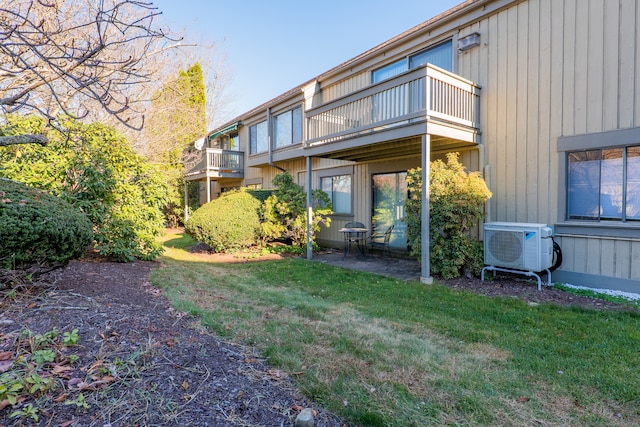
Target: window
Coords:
[[604, 184], [339, 190], [287, 128], [229, 142], [440, 55], [390, 70], [234, 142], [258, 138]]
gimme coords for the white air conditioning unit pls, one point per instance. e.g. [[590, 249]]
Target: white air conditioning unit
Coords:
[[519, 246]]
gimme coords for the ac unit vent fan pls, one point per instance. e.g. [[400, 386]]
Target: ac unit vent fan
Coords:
[[519, 246], [506, 246]]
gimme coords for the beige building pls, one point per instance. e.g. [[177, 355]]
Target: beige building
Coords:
[[538, 95]]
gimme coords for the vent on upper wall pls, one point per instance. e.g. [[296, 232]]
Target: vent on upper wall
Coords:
[[519, 246]]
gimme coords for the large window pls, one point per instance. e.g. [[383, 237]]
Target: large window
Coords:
[[258, 138], [287, 128], [390, 70], [389, 197], [604, 184], [339, 190], [440, 55]]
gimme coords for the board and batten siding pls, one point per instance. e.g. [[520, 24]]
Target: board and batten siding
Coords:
[[346, 86], [547, 69], [577, 256]]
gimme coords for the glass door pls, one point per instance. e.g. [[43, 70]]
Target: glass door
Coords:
[[389, 195]]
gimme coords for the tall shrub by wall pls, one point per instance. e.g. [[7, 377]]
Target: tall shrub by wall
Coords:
[[457, 199]]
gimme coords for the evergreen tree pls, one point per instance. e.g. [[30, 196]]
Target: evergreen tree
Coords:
[[176, 118]]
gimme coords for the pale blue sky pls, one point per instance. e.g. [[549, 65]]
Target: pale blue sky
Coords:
[[273, 46]]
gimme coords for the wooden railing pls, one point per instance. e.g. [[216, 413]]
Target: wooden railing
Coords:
[[424, 93], [218, 162]]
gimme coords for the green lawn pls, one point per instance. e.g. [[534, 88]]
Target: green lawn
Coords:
[[379, 351]]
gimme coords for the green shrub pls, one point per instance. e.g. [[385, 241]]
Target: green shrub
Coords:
[[36, 227], [228, 223], [261, 194], [456, 205], [94, 168], [284, 213]]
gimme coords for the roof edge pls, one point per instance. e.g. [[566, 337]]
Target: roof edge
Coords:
[[428, 25]]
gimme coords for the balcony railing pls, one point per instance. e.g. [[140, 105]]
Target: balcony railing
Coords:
[[215, 162], [420, 94]]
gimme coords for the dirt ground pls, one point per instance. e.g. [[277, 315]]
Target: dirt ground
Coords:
[[503, 285], [142, 363]]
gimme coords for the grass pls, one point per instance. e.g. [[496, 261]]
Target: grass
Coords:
[[595, 294], [379, 351]]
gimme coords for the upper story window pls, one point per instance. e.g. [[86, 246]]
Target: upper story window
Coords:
[[259, 138], [604, 184], [390, 70], [287, 128], [440, 55], [230, 142], [234, 142]]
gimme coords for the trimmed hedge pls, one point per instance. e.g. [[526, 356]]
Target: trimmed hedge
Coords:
[[36, 227], [228, 223]]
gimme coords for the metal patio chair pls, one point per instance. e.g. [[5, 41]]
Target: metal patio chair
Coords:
[[381, 241]]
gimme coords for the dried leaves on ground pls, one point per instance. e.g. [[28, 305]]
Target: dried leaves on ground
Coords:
[[137, 362], [121, 356]]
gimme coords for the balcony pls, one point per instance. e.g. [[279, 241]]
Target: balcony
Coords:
[[425, 100], [215, 163]]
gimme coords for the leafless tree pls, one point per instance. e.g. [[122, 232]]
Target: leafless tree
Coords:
[[74, 57]]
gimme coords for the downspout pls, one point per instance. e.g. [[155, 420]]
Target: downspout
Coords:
[[486, 175], [484, 168], [269, 139]]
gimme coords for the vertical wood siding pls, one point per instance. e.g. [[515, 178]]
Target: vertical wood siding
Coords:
[[551, 68], [346, 86], [601, 256]]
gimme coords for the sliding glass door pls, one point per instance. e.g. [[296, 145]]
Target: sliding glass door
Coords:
[[389, 195]]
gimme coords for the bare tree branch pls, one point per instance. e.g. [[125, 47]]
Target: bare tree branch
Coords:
[[23, 139], [76, 57]]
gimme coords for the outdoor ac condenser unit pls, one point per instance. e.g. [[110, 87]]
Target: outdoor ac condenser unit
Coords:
[[519, 246]]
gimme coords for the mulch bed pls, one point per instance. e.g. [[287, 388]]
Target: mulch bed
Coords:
[[141, 363]]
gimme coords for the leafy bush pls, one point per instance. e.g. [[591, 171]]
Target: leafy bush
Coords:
[[227, 223], [95, 169], [36, 227], [261, 194], [456, 205], [284, 213]]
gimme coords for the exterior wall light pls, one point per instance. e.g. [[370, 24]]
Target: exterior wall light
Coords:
[[468, 42]]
